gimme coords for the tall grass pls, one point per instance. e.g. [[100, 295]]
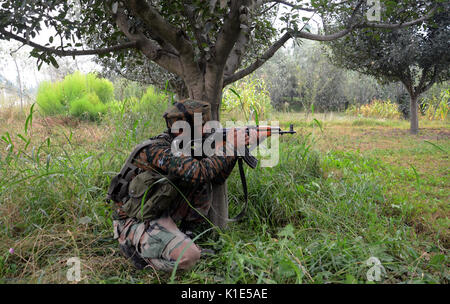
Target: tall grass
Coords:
[[376, 109], [437, 108], [137, 119], [248, 99], [314, 218]]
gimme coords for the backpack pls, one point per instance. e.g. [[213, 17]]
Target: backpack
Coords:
[[142, 194]]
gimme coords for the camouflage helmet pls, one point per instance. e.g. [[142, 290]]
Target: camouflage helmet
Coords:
[[185, 109]]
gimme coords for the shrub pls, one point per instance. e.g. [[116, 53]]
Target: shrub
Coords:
[[151, 101], [73, 87], [376, 109], [103, 88], [124, 88], [50, 97], [88, 107], [83, 96]]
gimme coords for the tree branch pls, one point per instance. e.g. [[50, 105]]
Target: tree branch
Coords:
[[433, 79], [291, 34], [195, 27], [295, 6], [302, 8], [228, 34], [163, 57], [160, 26], [185, 66], [259, 62], [58, 52], [398, 25], [235, 57]]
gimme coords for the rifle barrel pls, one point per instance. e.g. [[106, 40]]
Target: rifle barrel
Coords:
[[270, 130]]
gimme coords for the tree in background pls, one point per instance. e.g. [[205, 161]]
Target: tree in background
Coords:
[[302, 76], [280, 74], [14, 60], [416, 56], [208, 44]]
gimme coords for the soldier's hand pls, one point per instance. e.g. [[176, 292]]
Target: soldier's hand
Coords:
[[236, 140], [257, 136]]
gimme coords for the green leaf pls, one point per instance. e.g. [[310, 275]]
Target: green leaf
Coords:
[[29, 119], [416, 174], [318, 123], [349, 279], [53, 61], [22, 138], [287, 231], [438, 261], [256, 114], [436, 146]]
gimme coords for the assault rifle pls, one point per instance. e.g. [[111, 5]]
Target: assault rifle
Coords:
[[249, 159]]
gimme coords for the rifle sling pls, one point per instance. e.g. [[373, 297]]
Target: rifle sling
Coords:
[[241, 215]]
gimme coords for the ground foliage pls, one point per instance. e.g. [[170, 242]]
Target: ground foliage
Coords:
[[345, 190]]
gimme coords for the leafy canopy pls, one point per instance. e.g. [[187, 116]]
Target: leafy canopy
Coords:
[[188, 38], [416, 56]]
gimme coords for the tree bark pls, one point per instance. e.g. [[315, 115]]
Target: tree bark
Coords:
[[218, 213], [414, 114], [210, 90]]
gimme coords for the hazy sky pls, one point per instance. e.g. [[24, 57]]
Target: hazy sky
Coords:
[[31, 76]]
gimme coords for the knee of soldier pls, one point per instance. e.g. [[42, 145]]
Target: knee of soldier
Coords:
[[190, 256]]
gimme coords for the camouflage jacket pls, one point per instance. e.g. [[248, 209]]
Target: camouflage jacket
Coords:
[[193, 176]]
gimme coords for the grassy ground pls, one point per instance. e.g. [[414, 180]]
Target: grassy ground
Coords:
[[345, 189]]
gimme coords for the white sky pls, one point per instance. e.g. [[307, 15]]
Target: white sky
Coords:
[[31, 76]]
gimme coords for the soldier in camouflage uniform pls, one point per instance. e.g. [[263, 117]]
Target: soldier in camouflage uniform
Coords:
[[158, 242]]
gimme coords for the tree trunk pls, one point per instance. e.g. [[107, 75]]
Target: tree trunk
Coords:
[[19, 80], [211, 91], [218, 213], [414, 114]]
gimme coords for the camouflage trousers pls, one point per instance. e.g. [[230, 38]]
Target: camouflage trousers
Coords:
[[159, 242]]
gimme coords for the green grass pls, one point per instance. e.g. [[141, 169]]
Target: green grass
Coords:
[[341, 193]]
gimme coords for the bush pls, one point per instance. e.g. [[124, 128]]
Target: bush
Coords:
[[151, 101], [125, 88], [50, 97], [376, 109], [83, 96], [88, 107], [102, 87]]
